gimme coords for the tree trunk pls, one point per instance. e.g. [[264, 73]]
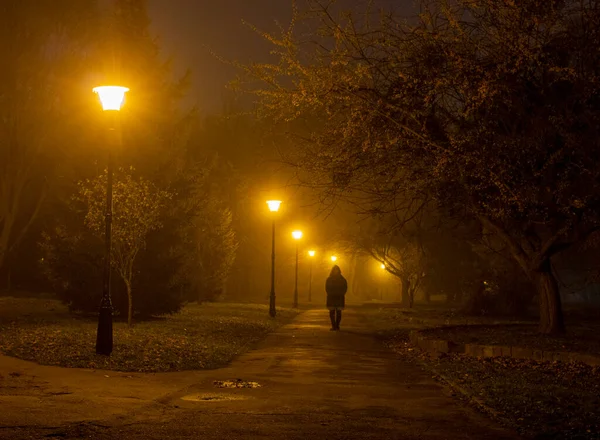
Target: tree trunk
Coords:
[[411, 297], [406, 302], [551, 316], [129, 305]]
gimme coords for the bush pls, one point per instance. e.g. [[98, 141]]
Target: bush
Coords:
[[73, 263]]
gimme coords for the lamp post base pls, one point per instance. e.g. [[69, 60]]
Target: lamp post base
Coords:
[[104, 338]]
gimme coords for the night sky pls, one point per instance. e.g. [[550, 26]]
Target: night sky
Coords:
[[186, 27]]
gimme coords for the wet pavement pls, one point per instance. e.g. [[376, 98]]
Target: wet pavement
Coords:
[[302, 382]]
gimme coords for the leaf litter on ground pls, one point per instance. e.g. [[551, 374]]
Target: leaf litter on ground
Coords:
[[541, 400], [199, 337]]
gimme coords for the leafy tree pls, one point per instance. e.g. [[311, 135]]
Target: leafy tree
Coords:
[[206, 242], [488, 107], [137, 212], [42, 48]]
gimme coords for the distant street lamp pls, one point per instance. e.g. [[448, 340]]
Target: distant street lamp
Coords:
[[333, 258], [382, 266], [311, 254], [273, 207], [297, 236], [111, 98]]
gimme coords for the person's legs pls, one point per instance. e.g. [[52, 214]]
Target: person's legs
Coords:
[[332, 318], [338, 318]]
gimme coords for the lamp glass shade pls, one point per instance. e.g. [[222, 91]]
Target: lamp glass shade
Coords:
[[297, 235], [274, 205], [111, 97]]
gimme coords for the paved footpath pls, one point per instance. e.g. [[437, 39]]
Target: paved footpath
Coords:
[[315, 384]]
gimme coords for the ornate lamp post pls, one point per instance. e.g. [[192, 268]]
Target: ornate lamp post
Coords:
[[273, 207], [297, 236], [111, 98], [311, 254]]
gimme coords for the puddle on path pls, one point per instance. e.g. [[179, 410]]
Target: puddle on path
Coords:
[[236, 383], [211, 397]]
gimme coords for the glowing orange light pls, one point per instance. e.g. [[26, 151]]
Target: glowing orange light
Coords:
[[297, 235], [311, 253], [111, 97], [274, 205]]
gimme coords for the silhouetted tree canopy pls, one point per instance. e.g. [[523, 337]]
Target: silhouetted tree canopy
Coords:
[[488, 108]]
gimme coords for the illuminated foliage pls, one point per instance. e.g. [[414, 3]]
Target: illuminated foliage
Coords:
[[137, 208]]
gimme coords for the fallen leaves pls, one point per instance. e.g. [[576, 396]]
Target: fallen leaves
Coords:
[[201, 336], [549, 400], [237, 383], [545, 399]]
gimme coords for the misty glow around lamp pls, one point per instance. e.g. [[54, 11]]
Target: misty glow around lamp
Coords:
[[333, 258]]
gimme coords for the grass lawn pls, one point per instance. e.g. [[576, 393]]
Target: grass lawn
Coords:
[[199, 337], [542, 400]]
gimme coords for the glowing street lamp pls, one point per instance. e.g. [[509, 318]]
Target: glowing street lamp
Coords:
[[111, 98], [311, 254], [382, 266], [333, 258], [273, 207], [297, 236]]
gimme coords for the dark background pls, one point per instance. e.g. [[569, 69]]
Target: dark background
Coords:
[[189, 29]]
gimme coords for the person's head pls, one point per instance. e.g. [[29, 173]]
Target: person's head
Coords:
[[335, 271]]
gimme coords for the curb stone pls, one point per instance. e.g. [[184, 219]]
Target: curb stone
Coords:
[[440, 347], [475, 401]]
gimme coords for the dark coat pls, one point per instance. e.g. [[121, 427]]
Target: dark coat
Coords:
[[336, 287]]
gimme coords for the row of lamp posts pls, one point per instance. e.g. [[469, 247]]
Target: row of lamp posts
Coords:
[[111, 99], [297, 235]]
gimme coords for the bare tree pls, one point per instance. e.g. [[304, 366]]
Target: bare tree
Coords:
[[486, 107]]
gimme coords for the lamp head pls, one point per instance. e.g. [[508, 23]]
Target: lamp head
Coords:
[[111, 97], [274, 205], [297, 235], [311, 253], [333, 258]]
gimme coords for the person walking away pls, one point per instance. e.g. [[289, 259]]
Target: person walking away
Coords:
[[336, 287]]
